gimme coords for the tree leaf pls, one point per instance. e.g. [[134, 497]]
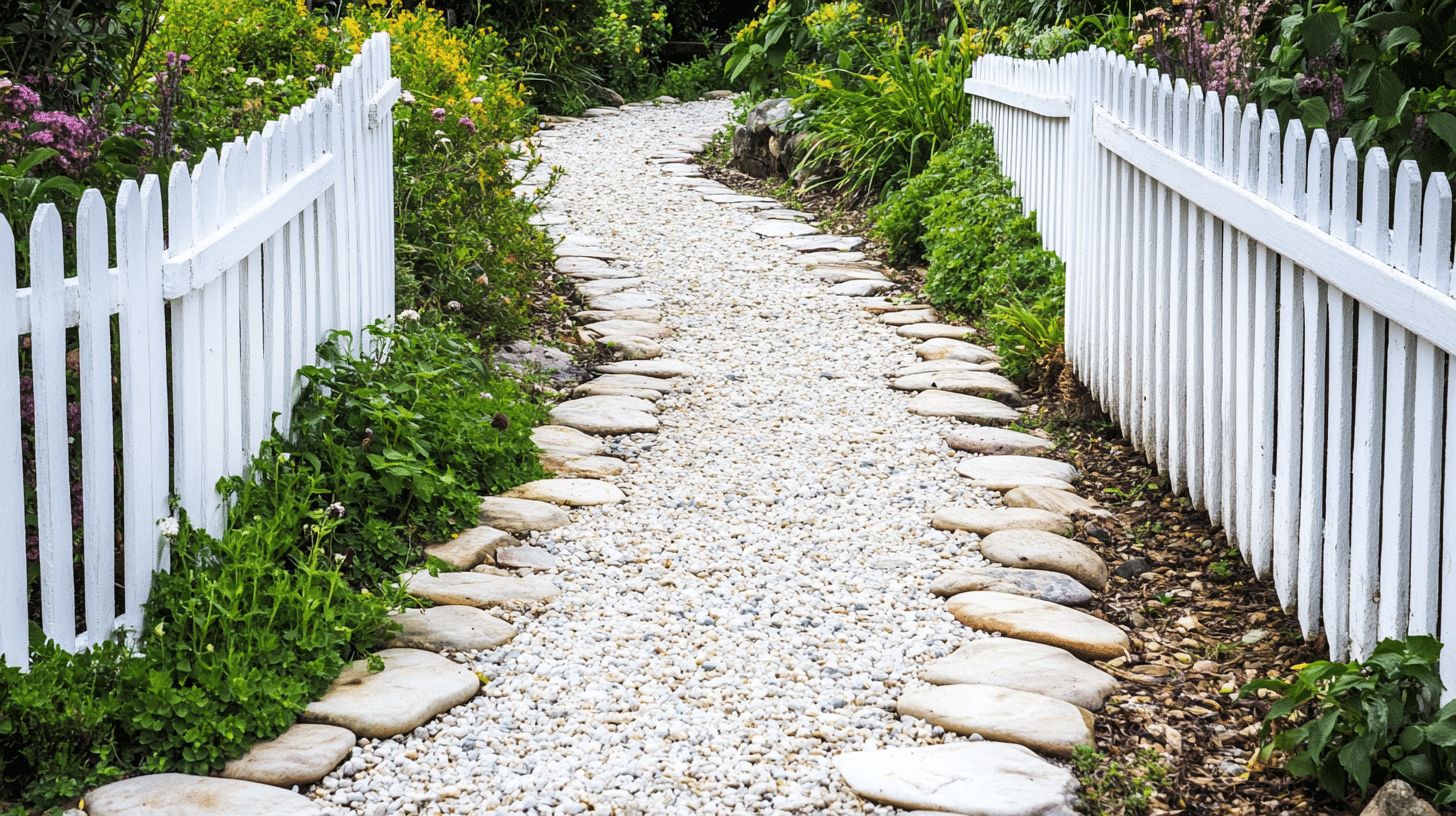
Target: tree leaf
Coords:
[[1321, 33], [1404, 35], [1443, 125]]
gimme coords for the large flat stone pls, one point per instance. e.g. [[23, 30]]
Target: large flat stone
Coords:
[[942, 348], [633, 381], [620, 301], [983, 521], [414, 686], [928, 331], [599, 390], [970, 778], [961, 406], [1010, 472], [1081, 634], [979, 383], [172, 794], [774, 228], [624, 403], [1021, 664], [831, 258], [1036, 549], [841, 274], [456, 628], [996, 442], [520, 515], [582, 467], [649, 368], [822, 243], [565, 250], [573, 492], [471, 548], [1040, 723], [606, 420], [635, 328], [599, 288], [477, 589], [860, 288], [908, 318], [936, 366], [596, 273], [527, 557], [598, 315], [1046, 585], [627, 347], [302, 755], [561, 439], [1052, 499]]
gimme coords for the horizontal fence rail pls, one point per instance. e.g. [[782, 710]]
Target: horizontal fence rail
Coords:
[[269, 245], [1270, 319]]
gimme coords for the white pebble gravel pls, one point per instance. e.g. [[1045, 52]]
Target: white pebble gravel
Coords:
[[762, 598]]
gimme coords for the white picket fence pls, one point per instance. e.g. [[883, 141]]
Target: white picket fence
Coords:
[[265, 248], [1279, 354]]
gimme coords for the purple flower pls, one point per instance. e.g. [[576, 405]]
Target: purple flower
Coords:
[[467, 124], [1420, 134], [320, 68], [73, 417], [439, 114]]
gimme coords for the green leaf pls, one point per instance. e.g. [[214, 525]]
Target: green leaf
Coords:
[[1321, 33], [1386, 91], [1443, 125], [1404, 35], [1314, 112]]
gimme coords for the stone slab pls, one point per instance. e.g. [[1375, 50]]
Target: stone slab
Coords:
[[598, 315], [582, 467], [650, 368], [1036, 549], [627, 347], [642, 381], [841, 274], [412, 689], [1045, 585], [302, 755], [520, 515], [934, 366], [636, 328], [996, 442], [453, 627], [1052, 499], [569, 265], [978, 383], [606, 402], [599, 390], [172, 794], [561, 439], [601, 273], [624, 300], [930, 331], [1081, 634], [582, 251], [572, 492], [969, 778], [774, 228], [1021, 664], [477, 589], [605, 420], [861, 288], [961, 406], [942, 348], [1013, 471], [527, 557], [471, 547], [597, 288], [908, 318], [822, 243], [1043, 724], [984, 521], [831, 258]]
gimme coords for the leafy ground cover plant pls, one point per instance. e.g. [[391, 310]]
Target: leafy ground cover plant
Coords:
[[1364, 722]]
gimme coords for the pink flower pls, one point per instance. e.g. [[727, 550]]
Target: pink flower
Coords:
[[467, 124], [439, 114]]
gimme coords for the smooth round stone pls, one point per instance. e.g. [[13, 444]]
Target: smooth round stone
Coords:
[[1081, 634], [1035, 549], [996, 442], [1044, 585], [933, 366], [520, 515], [908, 318], [632, 348], [564, 440], [598, 390], [831, 258], [840, 274], [471, 547], [822, 243], [1010, 472], [635, 328], [970, 778], [597, 288], [1042, 724], [454, 628], [773, 228], [526, 557], [1052, 499], [929, 331], [1021, 664], [611, 402], [171, 794], [979, 383], [302, 755], [598, 315], [984, 521], [584, 467], [650, 368], [961, 406], [941, 348], [572, 492], [414, 686], [622, 301], [645, 381], [477, 589], [606, 420], [861, 288]]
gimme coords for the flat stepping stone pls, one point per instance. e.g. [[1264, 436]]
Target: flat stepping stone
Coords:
[[600, 273], [942, 348], [832, 258], [1081, 634], [569, 265], [302, 755], [634, 381], [841, 274], [1010, 472], [628, 403], [634, 328], [597, 288], [624, 300], [598, 315], [1039, 550], [684, 170], [650, 368], [997, 442], [581, 239], [412, 689], [860, 288], [961, 406], [934, 366], [599, 113], [628, 347], [450, 628], [979, 383], [930, 331], [822, 243], [1052, 499], [544, 219], [770, 228], [881, 305], [590, 390], [477, 589], [970, 778], [572, 492], [1021, 664], [519, 515], [582, 467], [561, 439], [470, 548], [983, 521], [608, 420], [583, 251], [737, 198], [1045, 585], [908, 318], [1043, 724], [786, 215], [527, 557], [172, 794]]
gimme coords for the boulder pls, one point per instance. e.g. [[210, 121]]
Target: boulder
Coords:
[[1064, 502], [627, 347], [527, 357], [1397, 798]]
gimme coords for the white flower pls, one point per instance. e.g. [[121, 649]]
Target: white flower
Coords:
[[230, 70], [338, 557], [252, 81], [151, 79], [409, 314], [482, 78], [288, 78], [283, 457], [445, 140], [439, 133], [409, 98], [168, 527], [475, 100], [486, 395], [277, 82], [312, 79]]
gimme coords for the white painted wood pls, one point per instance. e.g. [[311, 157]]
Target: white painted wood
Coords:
[[1339, 470], [1289, 393], [1428, 465], [1312, 423], [14, 625], [97, 468]]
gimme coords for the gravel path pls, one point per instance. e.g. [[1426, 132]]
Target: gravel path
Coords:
[[761, 600]]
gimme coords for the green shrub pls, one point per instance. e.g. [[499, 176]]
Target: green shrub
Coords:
[[690, 80], [1362, 723], [899, 220], [762, 50]]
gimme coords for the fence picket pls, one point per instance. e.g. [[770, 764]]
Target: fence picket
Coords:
[[97, 467], [1427, 467], [1340, 457], [1289, 394], [1312, 425], [14, 626]]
